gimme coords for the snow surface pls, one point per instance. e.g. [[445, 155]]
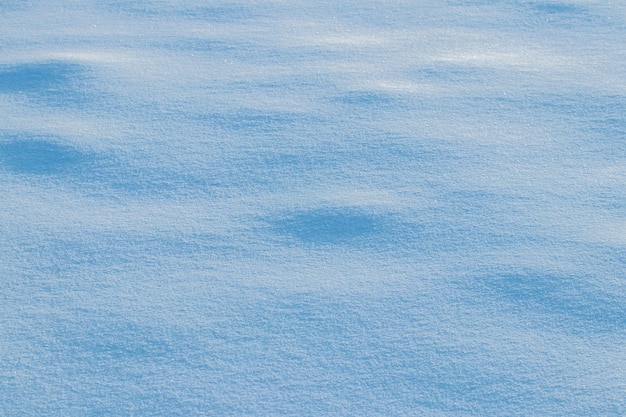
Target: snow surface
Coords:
[[313, 208]]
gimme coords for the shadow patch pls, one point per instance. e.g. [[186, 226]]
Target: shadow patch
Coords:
[[196, 45], [565, 15], [12, 6], [113, 339], [149, 9], [37, 78], [570, 301], [557, 8], [451, 73], [48, 83], [40, 156], [329, 226], [253, 120], [219, 14], [366, 98]]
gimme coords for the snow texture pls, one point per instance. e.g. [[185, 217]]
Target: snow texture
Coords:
[[313, 208]]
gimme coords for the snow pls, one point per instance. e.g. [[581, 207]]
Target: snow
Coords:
[[313, 208]]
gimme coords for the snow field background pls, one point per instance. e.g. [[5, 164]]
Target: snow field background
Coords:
[[312, 208]]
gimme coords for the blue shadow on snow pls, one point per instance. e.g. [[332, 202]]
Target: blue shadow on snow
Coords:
[[571, 302], [36, 77], [40, 156], [329, 226], [55, 83]]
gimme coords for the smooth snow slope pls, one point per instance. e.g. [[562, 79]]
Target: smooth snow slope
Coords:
[[324, 208]]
